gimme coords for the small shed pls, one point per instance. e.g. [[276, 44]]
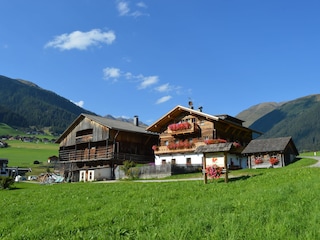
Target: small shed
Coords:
[[271, 152]]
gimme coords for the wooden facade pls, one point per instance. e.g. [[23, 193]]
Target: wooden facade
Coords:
[[95, 142], [183, 130]]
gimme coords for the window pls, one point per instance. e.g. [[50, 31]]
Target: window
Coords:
[[173, 161], [82, 176], [163, 162], [188, 161], [84, 135], [84, 132]]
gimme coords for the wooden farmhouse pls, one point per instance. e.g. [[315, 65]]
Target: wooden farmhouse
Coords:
[[92, 146], [272, 152], [187, 135]]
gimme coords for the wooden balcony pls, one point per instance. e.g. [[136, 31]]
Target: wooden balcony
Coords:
[[191, 129], [165, 149]]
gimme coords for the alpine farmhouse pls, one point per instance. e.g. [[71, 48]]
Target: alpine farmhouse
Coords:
[[92, 147], [187, 136]]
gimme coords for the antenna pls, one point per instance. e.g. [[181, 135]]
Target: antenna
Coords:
[[190, 103]]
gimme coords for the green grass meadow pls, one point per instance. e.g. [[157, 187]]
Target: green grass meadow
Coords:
[[266, 204], [23, 154]]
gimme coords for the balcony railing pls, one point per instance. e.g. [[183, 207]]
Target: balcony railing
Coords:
[[165, 149], [86, 154], [101, 153]]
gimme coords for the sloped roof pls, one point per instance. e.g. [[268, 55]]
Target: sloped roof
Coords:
[[268, 145], [218, 147], [175, 112], [110, 123], [117, 124]]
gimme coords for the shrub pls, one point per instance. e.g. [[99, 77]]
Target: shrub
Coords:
[[6, 182], [127, 167]]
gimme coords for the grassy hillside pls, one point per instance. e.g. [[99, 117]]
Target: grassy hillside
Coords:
[[273, 204], [7, 130], [23, 154]]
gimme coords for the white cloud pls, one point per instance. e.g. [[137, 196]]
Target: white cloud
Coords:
[[148, 81], [80, 103], [115, 73], [124, 9], [163, 99], [142, 5], [164, 88], [111, 73], [81, 40]]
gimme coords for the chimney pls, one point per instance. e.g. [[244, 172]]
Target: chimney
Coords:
[[200, 109], [136, 120], [190, 104]]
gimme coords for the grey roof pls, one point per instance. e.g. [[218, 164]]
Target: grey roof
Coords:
[[118, 124], [218, 147], [267, 145], [110, 123]]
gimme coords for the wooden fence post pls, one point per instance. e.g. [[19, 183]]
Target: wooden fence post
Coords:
[[226, 168], [205, 177]]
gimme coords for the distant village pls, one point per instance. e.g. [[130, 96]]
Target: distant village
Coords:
[[32, 138]]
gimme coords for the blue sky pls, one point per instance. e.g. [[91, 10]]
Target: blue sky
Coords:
[[143, 58]]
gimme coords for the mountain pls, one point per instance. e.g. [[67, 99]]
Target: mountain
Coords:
[[255, 112], [129, 120], [23, 104], [298, 118]]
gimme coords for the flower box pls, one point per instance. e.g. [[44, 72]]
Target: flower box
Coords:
[[179, 126], [258, 161], [214, 141], [180, 145], [274, 161]]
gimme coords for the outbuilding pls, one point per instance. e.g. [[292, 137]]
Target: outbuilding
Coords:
[[271, 152]]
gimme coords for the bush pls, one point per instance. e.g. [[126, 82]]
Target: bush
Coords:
[[128, 169], [6, 182]]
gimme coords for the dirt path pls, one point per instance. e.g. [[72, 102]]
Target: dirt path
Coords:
[[316, 158]]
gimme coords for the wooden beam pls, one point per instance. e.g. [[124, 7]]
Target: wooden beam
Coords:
[[226, 179], [204, 166]]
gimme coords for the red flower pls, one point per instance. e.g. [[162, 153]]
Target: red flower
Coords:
[[274, 161], [179, 126], [258, 161], [214, 171], [214, 141]]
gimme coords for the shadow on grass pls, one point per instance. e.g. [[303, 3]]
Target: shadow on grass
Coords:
[[237, 178], [240, 178]]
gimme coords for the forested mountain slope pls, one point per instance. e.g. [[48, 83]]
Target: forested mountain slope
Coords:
[[23, 104], [298, 118], [255, 112]]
